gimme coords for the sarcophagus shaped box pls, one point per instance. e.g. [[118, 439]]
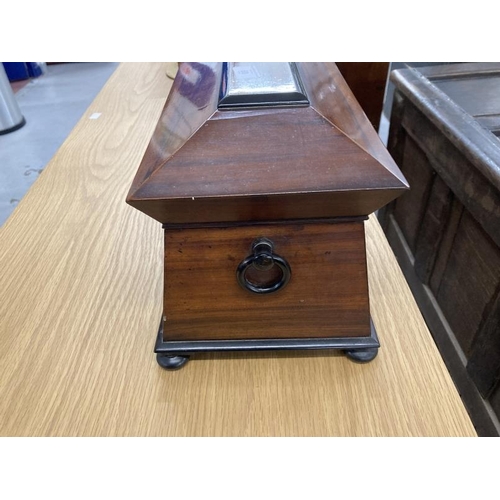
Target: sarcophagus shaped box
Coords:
[[262, 175]]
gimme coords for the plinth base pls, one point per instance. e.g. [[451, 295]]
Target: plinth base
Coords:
[[174, 354]]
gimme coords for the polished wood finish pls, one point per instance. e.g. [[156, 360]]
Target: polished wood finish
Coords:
[[443, 135], [182, 116], [333, 99], [81, 297], [323, 160], [367, 80], [264, 207], [327, 295], [242, 166]]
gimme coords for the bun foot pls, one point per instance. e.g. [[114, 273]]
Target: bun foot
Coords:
[[362, 355], [171, 362]]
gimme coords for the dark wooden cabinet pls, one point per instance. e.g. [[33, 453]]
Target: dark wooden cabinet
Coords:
[[444, 135]]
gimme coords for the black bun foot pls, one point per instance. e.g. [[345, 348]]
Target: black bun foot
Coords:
[[171, 362], [362, 355]]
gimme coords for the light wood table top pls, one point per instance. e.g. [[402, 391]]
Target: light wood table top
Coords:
[[81, 297]]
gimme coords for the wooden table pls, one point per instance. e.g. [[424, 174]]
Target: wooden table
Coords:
[[81, 298]]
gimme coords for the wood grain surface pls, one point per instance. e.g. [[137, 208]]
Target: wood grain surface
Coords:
[[205, 164], [81, 295], [327, 295]]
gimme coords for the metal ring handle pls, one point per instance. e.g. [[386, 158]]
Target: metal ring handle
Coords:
[[263, 259]]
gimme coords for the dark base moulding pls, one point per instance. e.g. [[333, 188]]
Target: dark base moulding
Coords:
[[173, 355]]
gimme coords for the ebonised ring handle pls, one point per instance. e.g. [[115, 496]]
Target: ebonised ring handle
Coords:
[[263, 259]]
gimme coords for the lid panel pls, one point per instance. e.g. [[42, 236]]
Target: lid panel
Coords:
[[250, 84], [192, 100], [333, 99], [287, 151], [264, 162]]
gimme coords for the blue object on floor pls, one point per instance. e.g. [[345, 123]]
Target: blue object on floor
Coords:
[[34, 69], [16, 71], [23, 70]]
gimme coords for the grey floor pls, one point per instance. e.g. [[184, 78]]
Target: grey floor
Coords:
[[51, 105]]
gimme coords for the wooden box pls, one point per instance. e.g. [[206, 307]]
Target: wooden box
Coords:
[[444, 133], [262, 175]]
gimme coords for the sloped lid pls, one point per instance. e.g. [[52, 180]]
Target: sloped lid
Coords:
[[307, 151]]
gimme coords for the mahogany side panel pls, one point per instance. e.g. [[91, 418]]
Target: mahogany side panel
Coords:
[[192, 100], [327, 295], [332, 98]]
